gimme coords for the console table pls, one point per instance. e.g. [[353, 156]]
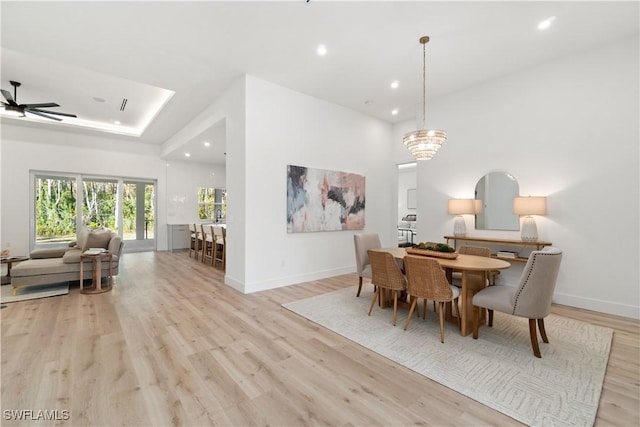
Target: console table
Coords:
[[500, 242]]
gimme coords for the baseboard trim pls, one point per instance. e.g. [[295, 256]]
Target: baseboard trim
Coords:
[[280, 282], [608, 307], [601, 306]]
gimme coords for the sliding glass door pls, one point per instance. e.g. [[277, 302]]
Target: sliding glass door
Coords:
[[64, 203], [99, 203], [138, 213]]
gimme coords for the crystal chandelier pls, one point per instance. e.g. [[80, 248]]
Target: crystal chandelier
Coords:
[[424, 143]]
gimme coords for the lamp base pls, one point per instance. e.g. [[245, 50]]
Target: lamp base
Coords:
[[529, 232], [459, 227]]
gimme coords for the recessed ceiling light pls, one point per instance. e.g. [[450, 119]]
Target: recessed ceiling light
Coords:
[[322, 50], [116, 122], [543, 25], [394, 112], [395, 84], [207, 144], [187, 154]]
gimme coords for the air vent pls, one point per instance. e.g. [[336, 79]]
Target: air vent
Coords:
[[124, 104]]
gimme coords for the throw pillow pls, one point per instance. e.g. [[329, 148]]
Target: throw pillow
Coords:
[[98, 239], [83, 235]]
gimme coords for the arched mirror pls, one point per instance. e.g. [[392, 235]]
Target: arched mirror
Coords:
[[496, 191]]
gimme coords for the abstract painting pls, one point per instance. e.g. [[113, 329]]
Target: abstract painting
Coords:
[[323, 200]]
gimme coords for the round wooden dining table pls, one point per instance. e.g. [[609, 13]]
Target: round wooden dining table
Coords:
[[474, 269]]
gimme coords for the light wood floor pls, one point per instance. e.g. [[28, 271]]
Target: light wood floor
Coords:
[[172, 345]]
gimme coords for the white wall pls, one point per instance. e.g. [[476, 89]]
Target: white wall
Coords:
[[230, 107], [568, 130], [183, 181], [36, 148], [286, 127]]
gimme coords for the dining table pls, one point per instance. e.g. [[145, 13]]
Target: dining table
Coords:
[[475, 271]]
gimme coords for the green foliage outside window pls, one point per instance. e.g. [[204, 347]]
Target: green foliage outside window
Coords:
[[56, 204], [212, 203], [55, 214]]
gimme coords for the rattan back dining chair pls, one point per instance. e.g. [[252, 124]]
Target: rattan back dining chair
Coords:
[[426, 279], [386, 276], [456, 276], [530, 299]]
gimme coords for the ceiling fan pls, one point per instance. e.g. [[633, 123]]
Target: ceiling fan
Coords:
[[12, 105]]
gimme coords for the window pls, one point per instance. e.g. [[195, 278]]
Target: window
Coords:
[[63, 203], [99, 203], [55, 209], [212, 203]]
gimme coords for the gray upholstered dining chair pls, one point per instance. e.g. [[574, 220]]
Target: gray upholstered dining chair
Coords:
[[530, 299], [427, 280], [362, 243], [386, 275]]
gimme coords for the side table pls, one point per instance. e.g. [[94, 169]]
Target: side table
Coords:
[[9, 261], [96, 285]]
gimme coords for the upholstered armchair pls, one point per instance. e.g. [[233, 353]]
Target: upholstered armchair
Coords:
[[530, 299], [362, 243]]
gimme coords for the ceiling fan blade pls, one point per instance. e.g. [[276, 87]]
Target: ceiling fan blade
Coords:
[[8, 97], [43, 115], [51, 112], [45, 105]]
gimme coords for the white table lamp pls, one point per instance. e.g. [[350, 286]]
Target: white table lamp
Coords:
[[529, 206], [461, 207]]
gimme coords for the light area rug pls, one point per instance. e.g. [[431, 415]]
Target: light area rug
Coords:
[[498, 369], [33, 292]]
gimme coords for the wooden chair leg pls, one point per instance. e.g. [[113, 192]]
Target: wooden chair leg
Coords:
[[413, 306], [411, 300], [373, 301], [490, 317], [441, 315], [543, 333], [534, 338], [424, 308], [455, 302], [395, 307], [476, 321], [214, 254], [359, 286]]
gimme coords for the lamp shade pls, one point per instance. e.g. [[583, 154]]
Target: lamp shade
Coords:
[[530, 205], [462, 206]]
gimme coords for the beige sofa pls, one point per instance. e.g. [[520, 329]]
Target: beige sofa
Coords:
[[62, 265]]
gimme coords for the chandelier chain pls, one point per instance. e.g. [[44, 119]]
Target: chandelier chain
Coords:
[[424, 85]]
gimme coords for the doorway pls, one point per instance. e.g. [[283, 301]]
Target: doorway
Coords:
[[407, 204]]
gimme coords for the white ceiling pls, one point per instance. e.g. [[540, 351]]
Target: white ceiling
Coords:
[[177, 57]]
